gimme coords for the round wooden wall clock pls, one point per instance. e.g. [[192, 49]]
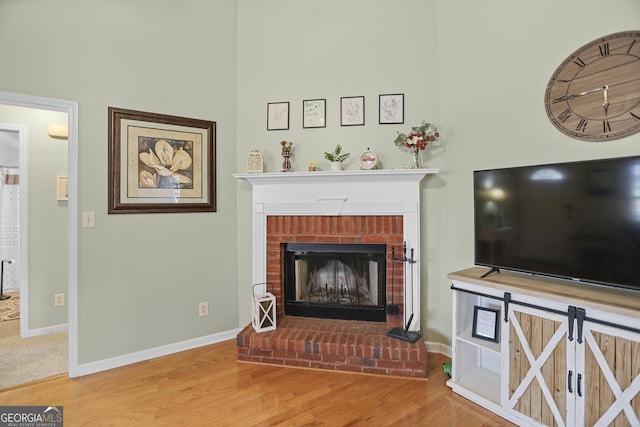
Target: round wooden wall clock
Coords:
[[594, 94]]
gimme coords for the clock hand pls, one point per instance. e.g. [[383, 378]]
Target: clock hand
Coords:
[[587, 92], [605, 104]]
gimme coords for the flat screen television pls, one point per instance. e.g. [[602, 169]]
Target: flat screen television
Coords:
[[578, 221]]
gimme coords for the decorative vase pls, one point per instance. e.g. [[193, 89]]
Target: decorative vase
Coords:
[[336, 166], [286, 155], [416, 162]]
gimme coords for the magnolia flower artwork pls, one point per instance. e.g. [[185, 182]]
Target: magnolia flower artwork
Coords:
[[167, 163], [160, 163]]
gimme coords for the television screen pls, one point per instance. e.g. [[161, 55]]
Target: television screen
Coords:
[[578, 220]]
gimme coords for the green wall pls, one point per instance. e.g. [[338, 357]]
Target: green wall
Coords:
[[495, 59], [476, 69], [140, 276]]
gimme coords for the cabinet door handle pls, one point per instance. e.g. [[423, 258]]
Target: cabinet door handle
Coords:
[[569, 381], [579, 385]]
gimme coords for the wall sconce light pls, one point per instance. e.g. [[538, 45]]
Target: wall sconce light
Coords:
[[58, 131]]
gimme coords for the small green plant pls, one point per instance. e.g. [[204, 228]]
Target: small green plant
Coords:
[[337, 155]]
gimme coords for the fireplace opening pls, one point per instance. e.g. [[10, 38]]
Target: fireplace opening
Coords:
[[333, 280]]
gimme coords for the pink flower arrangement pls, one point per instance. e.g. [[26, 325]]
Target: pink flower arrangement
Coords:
[[419, 137]]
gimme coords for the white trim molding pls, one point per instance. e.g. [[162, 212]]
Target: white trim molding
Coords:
[[375, 192]]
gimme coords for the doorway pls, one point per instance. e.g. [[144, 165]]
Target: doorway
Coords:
[[71, 108]]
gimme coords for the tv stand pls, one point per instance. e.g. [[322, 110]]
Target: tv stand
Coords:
[[563, 353], [490, 272]]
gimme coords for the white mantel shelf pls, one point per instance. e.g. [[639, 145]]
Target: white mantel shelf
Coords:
[[381, 175], [328, 193]]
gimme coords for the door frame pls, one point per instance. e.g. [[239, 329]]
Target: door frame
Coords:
[[71, 108]]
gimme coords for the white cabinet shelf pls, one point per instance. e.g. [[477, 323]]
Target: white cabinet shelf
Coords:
[[478, 372], [482, 382], [465, 336]]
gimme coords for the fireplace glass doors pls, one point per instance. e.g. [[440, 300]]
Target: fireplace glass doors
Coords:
[[339, 281]]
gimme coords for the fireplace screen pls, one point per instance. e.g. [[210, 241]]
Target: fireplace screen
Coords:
[[341, 281]]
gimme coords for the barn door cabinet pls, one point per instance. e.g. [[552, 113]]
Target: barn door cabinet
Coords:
[[567, 354]]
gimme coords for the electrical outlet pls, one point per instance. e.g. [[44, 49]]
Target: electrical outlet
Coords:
[[203, 309], [58, 300]]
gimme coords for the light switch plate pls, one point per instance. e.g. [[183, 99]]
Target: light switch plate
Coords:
[[88, 219]]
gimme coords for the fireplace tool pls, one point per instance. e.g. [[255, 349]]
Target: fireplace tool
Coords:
[[2, 295], [393, 308], [405, 334]]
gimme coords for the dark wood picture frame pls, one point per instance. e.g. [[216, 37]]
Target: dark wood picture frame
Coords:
[[486, 324], [160, 163]]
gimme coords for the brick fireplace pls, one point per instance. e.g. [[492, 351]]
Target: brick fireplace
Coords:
[[334, 229], [352, 207]]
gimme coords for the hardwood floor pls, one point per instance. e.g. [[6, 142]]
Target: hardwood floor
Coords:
[[209, 387]]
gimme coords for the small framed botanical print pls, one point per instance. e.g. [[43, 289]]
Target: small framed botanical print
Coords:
[[314, 113], [392, 109], [352, 111], [277, 116]]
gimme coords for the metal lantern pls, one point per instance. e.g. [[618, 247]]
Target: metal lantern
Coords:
[[264, 311]]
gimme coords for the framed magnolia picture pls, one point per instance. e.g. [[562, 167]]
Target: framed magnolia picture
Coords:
[[314, 113], [391, 109], [352, 111], [160, 163], [277, 116]]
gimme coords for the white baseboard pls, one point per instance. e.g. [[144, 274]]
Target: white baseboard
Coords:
[[48, 330], [152, 353], [436, 347]]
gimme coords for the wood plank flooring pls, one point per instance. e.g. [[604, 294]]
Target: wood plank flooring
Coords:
[[209, 387]]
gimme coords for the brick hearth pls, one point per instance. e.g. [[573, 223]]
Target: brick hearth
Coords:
[[329, 343], [344, 345]]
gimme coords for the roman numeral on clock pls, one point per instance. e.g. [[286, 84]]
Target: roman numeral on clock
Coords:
[[604, 49], [582, 125], [635, 118], [606, 126], [579, 62], [564, 115]]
